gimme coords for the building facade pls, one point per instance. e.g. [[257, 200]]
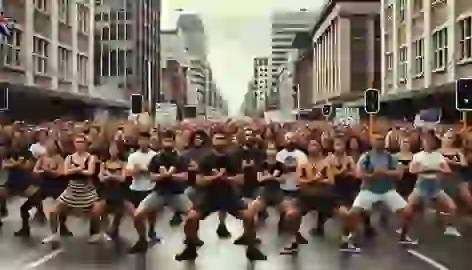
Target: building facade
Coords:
[[51, 46], [126, 47], [174, 67], [285, 25], [346, 50], [425, 44]]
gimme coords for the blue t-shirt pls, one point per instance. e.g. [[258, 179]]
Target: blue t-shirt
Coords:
[[378, 159]]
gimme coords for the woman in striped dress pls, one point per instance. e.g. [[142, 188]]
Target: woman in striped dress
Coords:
[[80, 193]]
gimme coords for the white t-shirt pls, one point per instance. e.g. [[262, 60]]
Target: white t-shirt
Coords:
[[429, 160], [290, 158], [37, 150], [141, 182]]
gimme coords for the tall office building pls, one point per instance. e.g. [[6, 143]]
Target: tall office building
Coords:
[[199, 74], [285, 25], [261, 72], [125, 46]]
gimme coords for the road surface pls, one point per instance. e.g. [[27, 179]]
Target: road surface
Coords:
[[435, 251]]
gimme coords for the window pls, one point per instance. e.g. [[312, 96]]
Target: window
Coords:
[[40, 55], [12, 49], [121, 32], [82, 69], [401, 10], [389, 61], [98, 2], [64, 11], [402, 63], [465, 41], [440, 49], [41, 5], [417, 6], [83, 19], [64, 64], [418, 47]]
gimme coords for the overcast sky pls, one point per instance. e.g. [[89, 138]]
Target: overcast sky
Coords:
[[237, 31]]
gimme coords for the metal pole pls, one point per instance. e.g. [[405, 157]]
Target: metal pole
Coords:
[[156, 91]]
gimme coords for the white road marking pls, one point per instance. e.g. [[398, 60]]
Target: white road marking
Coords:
[[427, 260], [44, 259]]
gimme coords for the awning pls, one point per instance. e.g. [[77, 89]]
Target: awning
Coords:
[[395, 95], [94, 101]]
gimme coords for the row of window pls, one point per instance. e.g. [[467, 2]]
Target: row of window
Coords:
[[13, 57], [113, 16], [417, 6], [116, 32], [64, 13], [439, 48]]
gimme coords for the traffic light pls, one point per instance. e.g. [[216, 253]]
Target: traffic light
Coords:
[[136, 103], [372, 101], [326, 110], [464, 95]]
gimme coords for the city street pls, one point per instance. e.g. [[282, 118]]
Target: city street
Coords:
[[435, 252]]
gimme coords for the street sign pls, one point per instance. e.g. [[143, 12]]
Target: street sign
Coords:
[[166, 114]]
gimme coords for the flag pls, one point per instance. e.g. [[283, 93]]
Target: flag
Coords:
[[6, 25]]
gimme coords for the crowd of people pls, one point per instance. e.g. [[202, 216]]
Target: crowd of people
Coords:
[[124, 169]]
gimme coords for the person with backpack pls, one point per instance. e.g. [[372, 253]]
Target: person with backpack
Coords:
[[378, 170]]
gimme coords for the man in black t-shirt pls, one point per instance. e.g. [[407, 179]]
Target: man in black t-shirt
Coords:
[[219, 176]]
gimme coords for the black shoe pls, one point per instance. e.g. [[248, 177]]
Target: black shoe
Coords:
[[197, 242], [222, 231], [291, 249], [23, 232], [300, 239], [176, 220], [140, 247], [3, 210], [254, 254], [189, 254], [349, 247], [370, 232], [64, 232], [152, 235], [243, 240]]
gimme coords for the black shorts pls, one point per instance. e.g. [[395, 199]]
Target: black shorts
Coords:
[[232, 205], [135, 197], [271, 197], [465, 174], [324, 201], [53, 188], [18, 181]]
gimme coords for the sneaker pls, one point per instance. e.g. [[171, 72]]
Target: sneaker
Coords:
[[452, 231], [96, 238], [407, 241], [188, 254], [140, 247], [50, 239], [254, 254], [349, 247], [290, 249]]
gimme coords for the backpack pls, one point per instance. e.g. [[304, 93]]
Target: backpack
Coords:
[[390, 162]]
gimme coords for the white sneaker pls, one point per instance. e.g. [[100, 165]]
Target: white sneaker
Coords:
[[452, 231], [52, 238], [95, 238]]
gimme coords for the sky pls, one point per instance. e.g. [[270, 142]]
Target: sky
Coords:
[[237, 31]]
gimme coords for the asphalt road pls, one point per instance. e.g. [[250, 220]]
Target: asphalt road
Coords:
[[435, 251]]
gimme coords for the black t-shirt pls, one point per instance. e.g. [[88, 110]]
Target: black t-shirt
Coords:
[[271, 168], [250, 174], [220, 188], [195, 155], [168, 159]]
